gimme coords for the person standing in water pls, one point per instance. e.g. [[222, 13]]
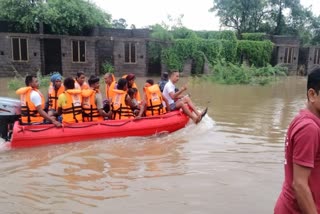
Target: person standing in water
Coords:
[[301, 187]]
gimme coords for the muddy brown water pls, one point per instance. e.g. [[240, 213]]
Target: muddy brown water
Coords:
[[230, 163]]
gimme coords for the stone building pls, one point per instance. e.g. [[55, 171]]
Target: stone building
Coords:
[[286, 52], [310, 58], [28, 53]]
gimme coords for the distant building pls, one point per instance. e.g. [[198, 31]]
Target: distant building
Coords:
[[27, 53], [286, 52], [310, 58], [125, 49]]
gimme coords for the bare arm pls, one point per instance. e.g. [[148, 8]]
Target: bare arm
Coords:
[[59, 111], [129, 102], [178, 94], [301, 189], [167, 103], [103, 113], [47, 117]]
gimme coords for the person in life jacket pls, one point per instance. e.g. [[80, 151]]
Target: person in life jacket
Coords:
[[131, 84], [111, 84], [69, 103], [122, 104], [154, 101], [32, 103], [55, 89], [80, 81], [92, 104]]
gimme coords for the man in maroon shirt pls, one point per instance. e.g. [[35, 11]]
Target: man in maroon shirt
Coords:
[[301, 187]]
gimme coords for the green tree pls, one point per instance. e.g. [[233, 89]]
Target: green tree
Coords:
[[161, 39], [61, 17], [278, 7], [119, 23], [242, 15]]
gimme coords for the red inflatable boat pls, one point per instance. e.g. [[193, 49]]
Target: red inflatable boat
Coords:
[[37, 135]]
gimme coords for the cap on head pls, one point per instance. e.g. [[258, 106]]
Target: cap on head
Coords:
[[130, 76], [55, 77]]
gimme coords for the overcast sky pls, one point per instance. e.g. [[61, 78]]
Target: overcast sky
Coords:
[[143, 13]]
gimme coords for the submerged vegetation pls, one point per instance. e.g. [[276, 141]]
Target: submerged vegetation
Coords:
[[231, 61], [228, 73], [18, 82]]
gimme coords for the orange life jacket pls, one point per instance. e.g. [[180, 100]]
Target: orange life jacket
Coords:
[[109, 90], [154, 100], [89, 107], [53, 96], [72, 110], [119, 107], [29, 113], [83, 86], [134, 85]]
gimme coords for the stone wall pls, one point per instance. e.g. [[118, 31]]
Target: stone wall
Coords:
[[123, 33], [281, 43], [139, 67], [8, 67], [311, 61], [103, 45], [69, 67]]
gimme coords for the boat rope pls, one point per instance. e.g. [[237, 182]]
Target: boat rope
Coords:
[[163, 116], [22, 129], [84, 126], [124, 123]]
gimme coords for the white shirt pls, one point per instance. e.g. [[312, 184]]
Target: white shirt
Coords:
[[168, 88], [35, 98]]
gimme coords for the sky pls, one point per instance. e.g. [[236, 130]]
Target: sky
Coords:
[[143, 13]]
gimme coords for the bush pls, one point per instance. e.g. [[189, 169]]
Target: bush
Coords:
[[228, 73], [107, 67], [258, 53], [15, 83], [254, 36]]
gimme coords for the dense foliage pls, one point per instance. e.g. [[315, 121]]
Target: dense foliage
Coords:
[[59, 16], [228, 73], [274, 17], [254, 36]]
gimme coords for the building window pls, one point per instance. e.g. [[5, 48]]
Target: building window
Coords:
[[129, 52], [19, 49], [316, 58], [78, 51], [288, 55]]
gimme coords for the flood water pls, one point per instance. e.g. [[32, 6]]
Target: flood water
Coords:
[[232, 162]]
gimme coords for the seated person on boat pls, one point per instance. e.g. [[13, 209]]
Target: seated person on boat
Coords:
[[32, 103], [110, 85], [153, 99], [132, 94], [122, 103], [80, 81], [176, 100], [55, 89], [92, 104], [69, 103], [132, 84]]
